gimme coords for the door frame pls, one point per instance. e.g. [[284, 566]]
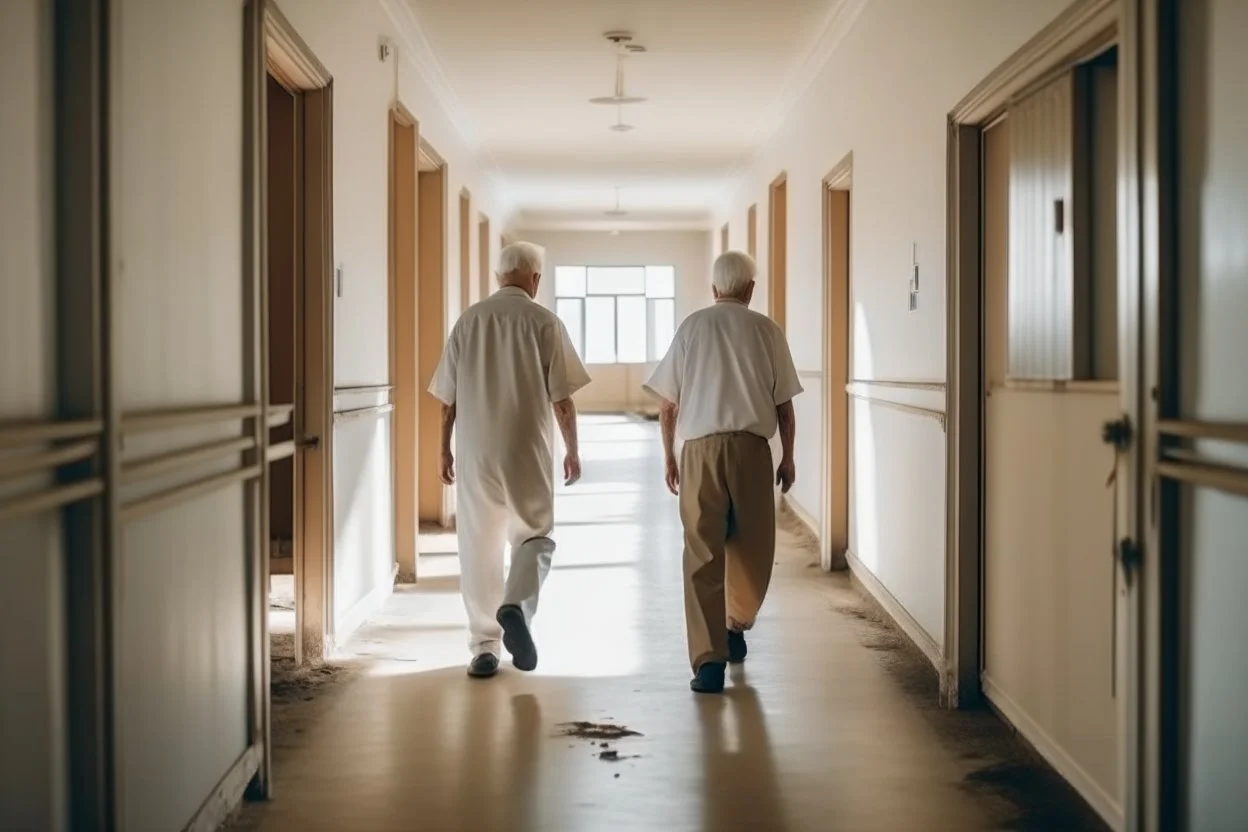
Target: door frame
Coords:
[[465, 249], [483, 256], [838, 370], [1082, 30], [778, 256], [279, 50], [432, 307], [751, 231], [1154, 187], [404, 357]]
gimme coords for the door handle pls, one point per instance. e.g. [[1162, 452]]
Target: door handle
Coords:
[[1117, 433], [309, 443]]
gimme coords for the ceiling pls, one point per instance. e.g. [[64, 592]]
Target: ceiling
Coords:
[[717, 75]]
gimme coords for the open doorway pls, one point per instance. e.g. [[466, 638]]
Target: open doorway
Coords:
[[298, 344], [431, 181], [1037, 605], [723, 239], [837, 322], [778, 250]]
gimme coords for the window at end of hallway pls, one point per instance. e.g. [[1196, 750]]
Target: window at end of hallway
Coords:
[[617, 314]]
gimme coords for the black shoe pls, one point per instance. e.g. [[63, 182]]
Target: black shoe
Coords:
[[736, 647], [517, 638], [709, 678], [483, 666]]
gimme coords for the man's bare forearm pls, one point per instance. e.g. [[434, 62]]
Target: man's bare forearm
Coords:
[[788, 429], [565, 415], [448, 426], [667, 426]]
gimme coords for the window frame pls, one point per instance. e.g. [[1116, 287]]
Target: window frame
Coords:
[[650, 305]]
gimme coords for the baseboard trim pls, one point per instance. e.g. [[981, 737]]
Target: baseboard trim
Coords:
[[802, 514], [228, 795], [1013, 714], [364, 609], [874, 589]]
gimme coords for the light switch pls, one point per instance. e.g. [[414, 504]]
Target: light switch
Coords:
[[914, 276]]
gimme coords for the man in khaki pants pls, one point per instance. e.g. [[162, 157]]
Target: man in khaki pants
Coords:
[[727, 383]]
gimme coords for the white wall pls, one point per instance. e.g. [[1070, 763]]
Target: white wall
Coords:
[[617, 387], [32, 712], [884, 95], [345, 39]]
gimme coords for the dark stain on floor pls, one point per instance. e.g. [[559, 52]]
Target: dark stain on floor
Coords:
[[1023, 791], [596, 731]]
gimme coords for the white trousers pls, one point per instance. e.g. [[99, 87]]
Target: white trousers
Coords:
[[497, 504]]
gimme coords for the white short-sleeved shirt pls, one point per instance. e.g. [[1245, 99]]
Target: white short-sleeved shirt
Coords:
[[728, 369], [507, 360]]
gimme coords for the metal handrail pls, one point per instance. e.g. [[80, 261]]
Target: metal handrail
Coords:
[[142, 469], [168, 419], [1220, 477], [936, 386], [914, 410], [19, 434], [360, 412], [175, 496], [279, 450], [49, 498], [50, 460], [1192, 429]]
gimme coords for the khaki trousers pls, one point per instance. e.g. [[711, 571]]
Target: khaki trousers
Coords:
[[727, 506]]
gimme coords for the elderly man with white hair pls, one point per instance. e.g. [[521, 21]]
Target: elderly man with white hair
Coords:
[[726, 384], [508, 363]]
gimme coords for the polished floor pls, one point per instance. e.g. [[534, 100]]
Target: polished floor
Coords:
[[815, 732]]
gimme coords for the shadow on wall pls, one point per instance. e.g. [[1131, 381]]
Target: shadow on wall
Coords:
[[363, 526], [897, 512]]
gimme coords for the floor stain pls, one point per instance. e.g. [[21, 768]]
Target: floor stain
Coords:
[[596, 731]]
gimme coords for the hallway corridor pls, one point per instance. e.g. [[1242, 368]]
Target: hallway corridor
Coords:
[[813, 733]]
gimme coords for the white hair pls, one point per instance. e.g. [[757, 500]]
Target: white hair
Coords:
[[733, 272], [520, 259]]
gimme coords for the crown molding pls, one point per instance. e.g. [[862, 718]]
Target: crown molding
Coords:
[[836, 26], [840, 20], [419, 50]]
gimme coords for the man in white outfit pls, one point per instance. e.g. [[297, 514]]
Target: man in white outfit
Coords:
[[508, 364]]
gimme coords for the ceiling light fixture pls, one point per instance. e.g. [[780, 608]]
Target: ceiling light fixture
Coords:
[[617, 211], [624, 47], [620, 126]]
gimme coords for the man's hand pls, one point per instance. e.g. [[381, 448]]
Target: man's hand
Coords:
[[447, 468], [571, 468], [786, 473], [672, 475]]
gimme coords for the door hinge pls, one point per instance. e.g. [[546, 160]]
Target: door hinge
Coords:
[[309, 443], [1117, 433], [1129, 558]]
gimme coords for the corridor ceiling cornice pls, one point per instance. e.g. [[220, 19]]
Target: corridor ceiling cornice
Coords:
[[839, 22], [419, 50]]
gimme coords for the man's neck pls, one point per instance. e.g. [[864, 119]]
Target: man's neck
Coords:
[[517, 288]]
